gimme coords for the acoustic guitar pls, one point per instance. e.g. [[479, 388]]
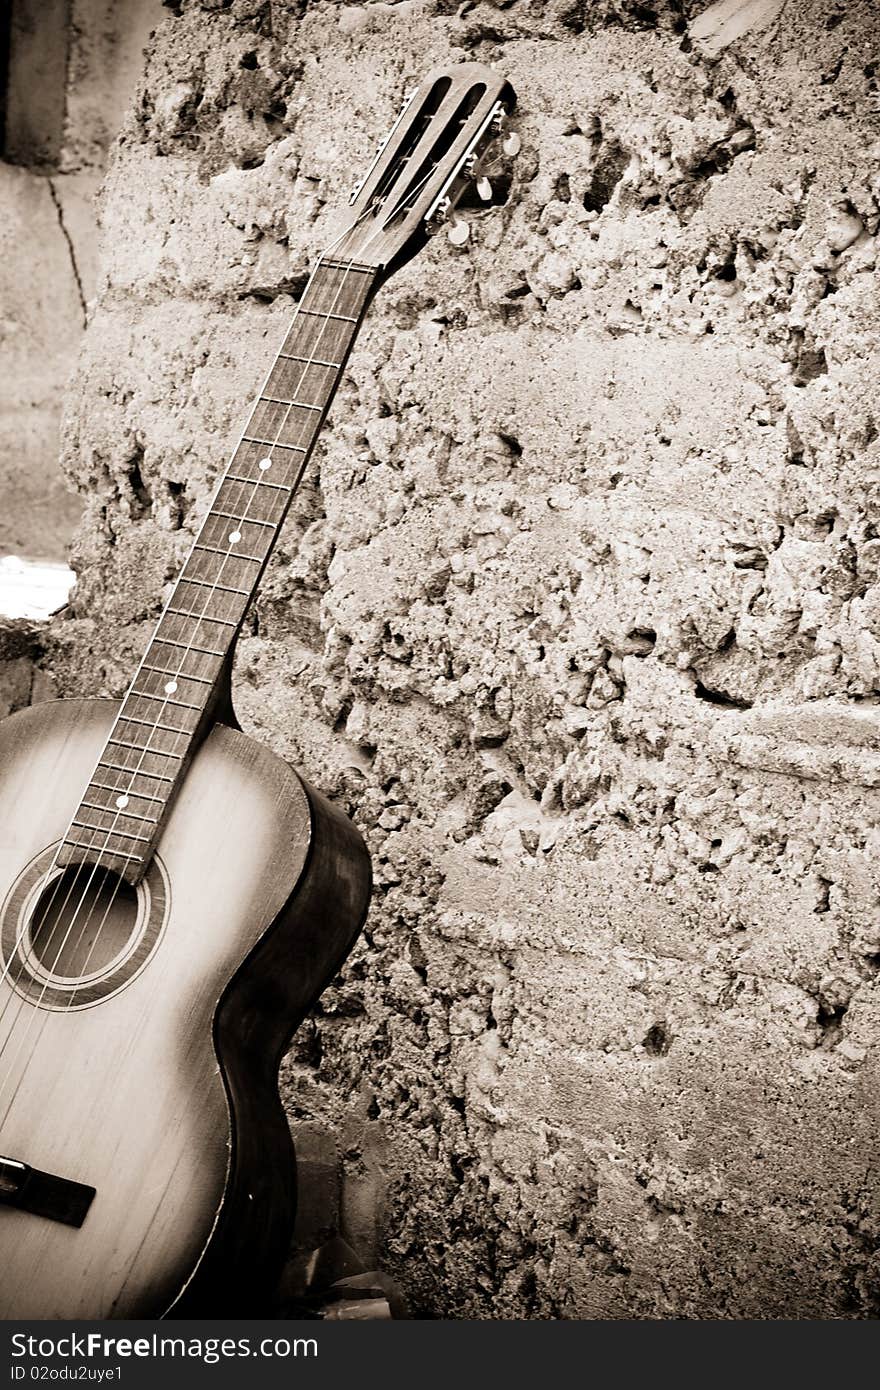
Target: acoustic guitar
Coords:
[[174, 896]]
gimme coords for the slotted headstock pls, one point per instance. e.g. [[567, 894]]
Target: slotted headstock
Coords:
[[435, 147]]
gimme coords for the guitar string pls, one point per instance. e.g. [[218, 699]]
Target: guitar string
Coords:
[[254, 484], [328, 250], [204, 616], [405, 206], [412, 197], [291, 489], [180, 674], [367, 211], [134, 771], [310, 362], [5, 972], [83, 970]]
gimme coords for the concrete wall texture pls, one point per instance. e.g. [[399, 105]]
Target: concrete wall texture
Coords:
[[578, 614], [72, 67]]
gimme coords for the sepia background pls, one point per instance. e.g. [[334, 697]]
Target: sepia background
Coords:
[[577, 612]]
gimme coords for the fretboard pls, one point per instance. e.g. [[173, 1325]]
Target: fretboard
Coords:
[[168, 706]]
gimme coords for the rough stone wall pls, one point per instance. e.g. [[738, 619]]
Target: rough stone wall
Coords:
[[578, 613]]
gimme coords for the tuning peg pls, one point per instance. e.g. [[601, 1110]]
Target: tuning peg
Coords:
[[458, 231], [511, 144], [484, 189]]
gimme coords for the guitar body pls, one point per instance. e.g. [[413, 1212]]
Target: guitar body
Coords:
[[146, 1066]]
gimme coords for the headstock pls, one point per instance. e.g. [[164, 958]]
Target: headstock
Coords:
[[435, 148]]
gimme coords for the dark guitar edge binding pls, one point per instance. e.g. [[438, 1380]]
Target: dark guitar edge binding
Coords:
[[238, 1271]]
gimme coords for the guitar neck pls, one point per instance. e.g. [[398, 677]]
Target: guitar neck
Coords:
[[167, 708]]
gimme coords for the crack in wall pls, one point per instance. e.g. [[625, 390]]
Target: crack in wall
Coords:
[[70, 247]]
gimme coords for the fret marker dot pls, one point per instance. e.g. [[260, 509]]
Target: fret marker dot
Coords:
[[234, 537], [122, 802], [265, 463], [170, 687]]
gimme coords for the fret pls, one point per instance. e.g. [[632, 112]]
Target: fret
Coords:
[[283, 477], [319, 314], [329, 311], [221, 531], [151, 698], [232, 555], [207, 584], [234, 504], [151, 742], [347, 267], [309, 361], [202, 617], [111, 810], [310, 337], [224, 608], [105, 851], [284, 426], [256, 482], [205, 565], [141, 796], [147, 752], [152, 724], [338, 288], [178, 675], [207, 668], [274, 444], [105, 829], [290, 384], [163, 699], [186, 647], [135, 772], [242, 521], [291, 405]]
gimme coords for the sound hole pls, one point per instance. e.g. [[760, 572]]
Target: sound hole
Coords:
[[82, 921]]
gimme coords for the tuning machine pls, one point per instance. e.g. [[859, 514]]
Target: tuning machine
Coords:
[[468, 170], [458, 231], [471, 171], [511, 144]]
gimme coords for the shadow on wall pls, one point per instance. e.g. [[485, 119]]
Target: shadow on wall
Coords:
[[67, 68]]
